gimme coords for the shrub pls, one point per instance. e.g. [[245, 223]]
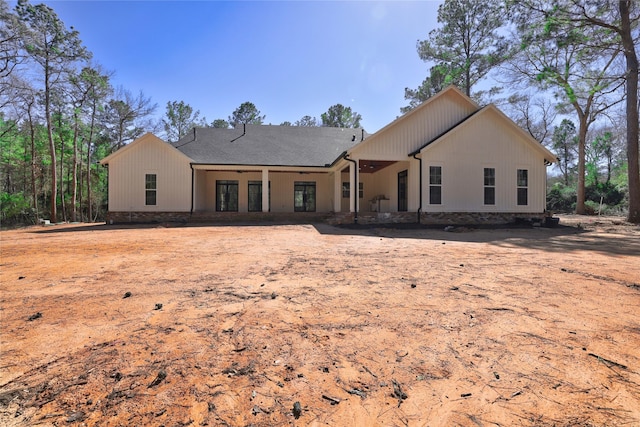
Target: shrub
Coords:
[[561, 198], [591, 207], [610, 194], [16, 209]]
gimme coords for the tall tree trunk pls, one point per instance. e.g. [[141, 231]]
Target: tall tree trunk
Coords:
[[25, 179], [582, 140], [52, 146], [62, 204], [32, 135], [632, 113], [565, 161], [89, 142], [74, 169]]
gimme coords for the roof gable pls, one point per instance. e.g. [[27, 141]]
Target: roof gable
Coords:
[[146, 139], [410, 131], [491, 112], [451, 92]]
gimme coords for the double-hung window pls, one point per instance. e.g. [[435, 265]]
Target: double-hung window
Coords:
[[435, 185], [150, 189], [523, 187], [489, 186]]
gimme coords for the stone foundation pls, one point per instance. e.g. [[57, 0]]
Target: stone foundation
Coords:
[[215, 217], [479, 218], [339, 218], [367, 218], [146, 217], [440, 218]]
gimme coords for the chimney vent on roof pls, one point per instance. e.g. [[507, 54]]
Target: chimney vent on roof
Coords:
[[244, 131]]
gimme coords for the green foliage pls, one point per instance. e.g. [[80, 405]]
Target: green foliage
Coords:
[[595, 208], [467, 45], [561, 198], [47, 39], [564, 145], [307, 121], [246, 113], [609, 193], [621, 178], [591, 174], [591, 207], [439, 77], [180, 117], [340, 116], [16, 209], [220, 124]]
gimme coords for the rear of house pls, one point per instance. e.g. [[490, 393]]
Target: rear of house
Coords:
[[446, 162]]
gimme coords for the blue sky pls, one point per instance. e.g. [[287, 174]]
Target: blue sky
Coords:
[[290, 58]]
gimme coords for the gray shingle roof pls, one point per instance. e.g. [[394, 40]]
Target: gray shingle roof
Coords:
[[267, 145]]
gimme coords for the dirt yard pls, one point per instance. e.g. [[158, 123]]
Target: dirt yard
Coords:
[[312, 325]]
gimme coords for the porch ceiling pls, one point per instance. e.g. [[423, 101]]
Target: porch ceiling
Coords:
[[373, 166]]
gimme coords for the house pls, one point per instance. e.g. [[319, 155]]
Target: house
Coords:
[[448, 161]]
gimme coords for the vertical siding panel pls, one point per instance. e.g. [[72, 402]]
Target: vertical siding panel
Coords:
[[396, 142], [463, 155], [150, 155]]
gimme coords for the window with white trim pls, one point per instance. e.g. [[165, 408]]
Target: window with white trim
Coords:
[[523, 187], [435, 185], [489, 186], [150, 189]]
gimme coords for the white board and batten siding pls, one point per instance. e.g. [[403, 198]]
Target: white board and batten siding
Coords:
[[485, 141], [414, 129], [149, 155]]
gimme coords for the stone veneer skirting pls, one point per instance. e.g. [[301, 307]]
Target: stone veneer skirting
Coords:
[[364, 218], [215, 217]]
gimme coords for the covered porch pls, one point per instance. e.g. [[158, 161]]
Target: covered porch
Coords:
[[383, 186]]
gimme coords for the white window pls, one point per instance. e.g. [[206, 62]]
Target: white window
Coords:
[[489, 186], [523, 187], [435, 185], [151, 189]]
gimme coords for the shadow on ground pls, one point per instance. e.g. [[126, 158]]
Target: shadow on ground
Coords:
[[620, 240]]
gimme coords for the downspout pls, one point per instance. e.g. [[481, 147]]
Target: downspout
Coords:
[[419, 207], [106, 166], [354, 193], [192, 180], [195, 136]]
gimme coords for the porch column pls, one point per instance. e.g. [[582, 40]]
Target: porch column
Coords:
[[352, 186], [265, 190], [337, 191]]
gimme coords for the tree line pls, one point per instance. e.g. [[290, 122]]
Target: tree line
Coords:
[[180, 117], [566, 72], [60, 114]]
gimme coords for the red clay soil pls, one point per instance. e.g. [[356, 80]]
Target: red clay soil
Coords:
[[312, 325]]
